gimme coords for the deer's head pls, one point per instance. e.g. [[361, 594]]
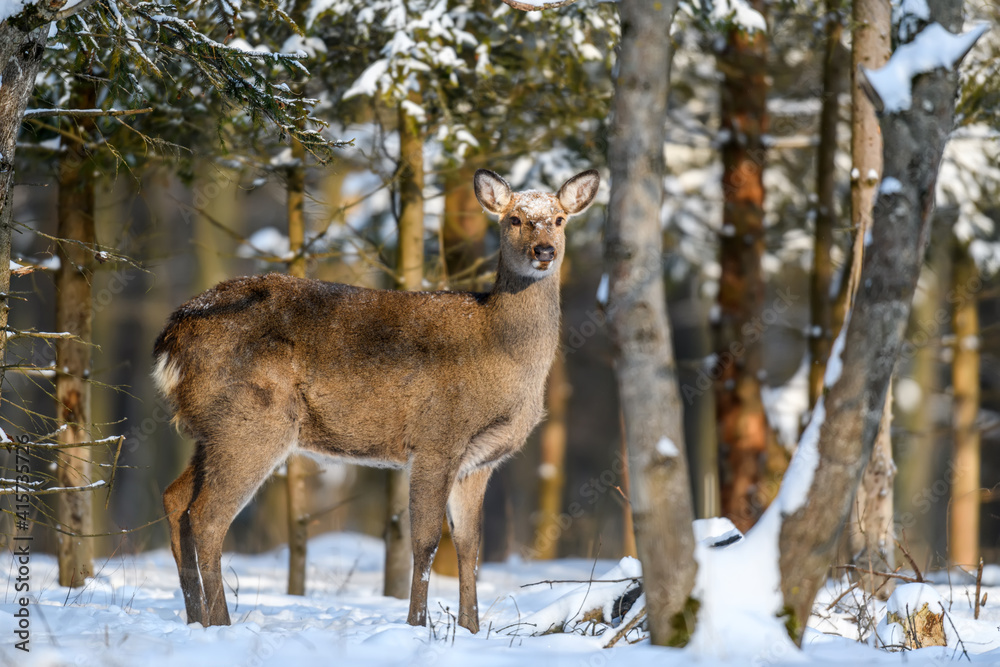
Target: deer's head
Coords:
[[532, 224]]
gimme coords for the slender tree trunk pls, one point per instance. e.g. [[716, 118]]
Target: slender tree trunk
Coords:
[[871, 540], [552, 467], [913, 141], [410, 273], [464, 225], [22, 44], [963, 518], [745, 437], [821, 330], [297, 467], [74, 314], [637, 319], [462, 234]]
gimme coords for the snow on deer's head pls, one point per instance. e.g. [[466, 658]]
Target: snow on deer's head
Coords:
[[532, 232]]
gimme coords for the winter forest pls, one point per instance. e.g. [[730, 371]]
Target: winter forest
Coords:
[[649, 332]]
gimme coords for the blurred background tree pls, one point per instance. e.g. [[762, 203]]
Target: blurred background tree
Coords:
[[196, 191]]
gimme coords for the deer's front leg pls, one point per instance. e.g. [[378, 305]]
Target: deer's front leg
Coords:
[[465, 518], [430, 483]]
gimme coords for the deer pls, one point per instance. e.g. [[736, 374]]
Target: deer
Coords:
[[446, 384]]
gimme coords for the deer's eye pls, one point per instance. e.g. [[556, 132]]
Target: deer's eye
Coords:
[[514, 220], [559, 221]]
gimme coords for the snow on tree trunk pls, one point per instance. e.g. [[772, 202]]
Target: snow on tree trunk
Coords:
[[410, 274], [870, 537], [637, 319], [298, 467], [745, 437], [915, 124], [74, 314], [963, 512]]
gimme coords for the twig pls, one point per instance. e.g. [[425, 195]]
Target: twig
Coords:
[[979, 585], [890, 575], [582, 581], [843, 595], [31, 114], [626, 628], [904, 548], [957, 636]]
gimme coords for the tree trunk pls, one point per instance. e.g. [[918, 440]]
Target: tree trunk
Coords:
[[410, 274], [463, 231], [745, 437], [913, 141], [636, 311], [552, 467], [870, 528], [464, 226], [74, 314], [871, 540], [298, 467], [22, 44], [963, 518], [821, 305]]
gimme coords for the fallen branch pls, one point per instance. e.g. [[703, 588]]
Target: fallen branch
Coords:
[[626, 628], [581, 581]]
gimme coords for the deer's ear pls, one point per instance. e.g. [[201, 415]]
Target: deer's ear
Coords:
[[578, 193], [491, 191]]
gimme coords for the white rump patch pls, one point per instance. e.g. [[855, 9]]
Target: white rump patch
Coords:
[[166, 375]]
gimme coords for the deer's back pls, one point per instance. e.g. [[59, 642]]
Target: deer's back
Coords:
[[362, 373]]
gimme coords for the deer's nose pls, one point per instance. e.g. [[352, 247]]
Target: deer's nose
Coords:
[[544, 253]]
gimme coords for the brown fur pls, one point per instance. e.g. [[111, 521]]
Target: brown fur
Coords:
[[447, 383]]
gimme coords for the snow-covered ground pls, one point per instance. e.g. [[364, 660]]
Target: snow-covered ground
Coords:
[[132, 614]]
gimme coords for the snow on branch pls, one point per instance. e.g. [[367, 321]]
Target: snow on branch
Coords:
[[83, 113], [890, 87], [536, 5], [19, 489]]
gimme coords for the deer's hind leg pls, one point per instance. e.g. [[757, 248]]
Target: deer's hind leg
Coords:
[[465, 518], [176, 500], [228, 475]]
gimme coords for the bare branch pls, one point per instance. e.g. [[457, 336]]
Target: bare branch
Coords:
[[31, 114]]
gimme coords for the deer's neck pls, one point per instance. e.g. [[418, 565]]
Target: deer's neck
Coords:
[[525, 312]]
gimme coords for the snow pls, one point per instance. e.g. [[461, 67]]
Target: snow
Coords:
[[785, 405], [736, 13], [571, 606], [367, 83], [132, 613], [934, 48], [890, 186], [666, 448], [265, 241], [602, 290], [10, 8], [910, 598], [908, 16]]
